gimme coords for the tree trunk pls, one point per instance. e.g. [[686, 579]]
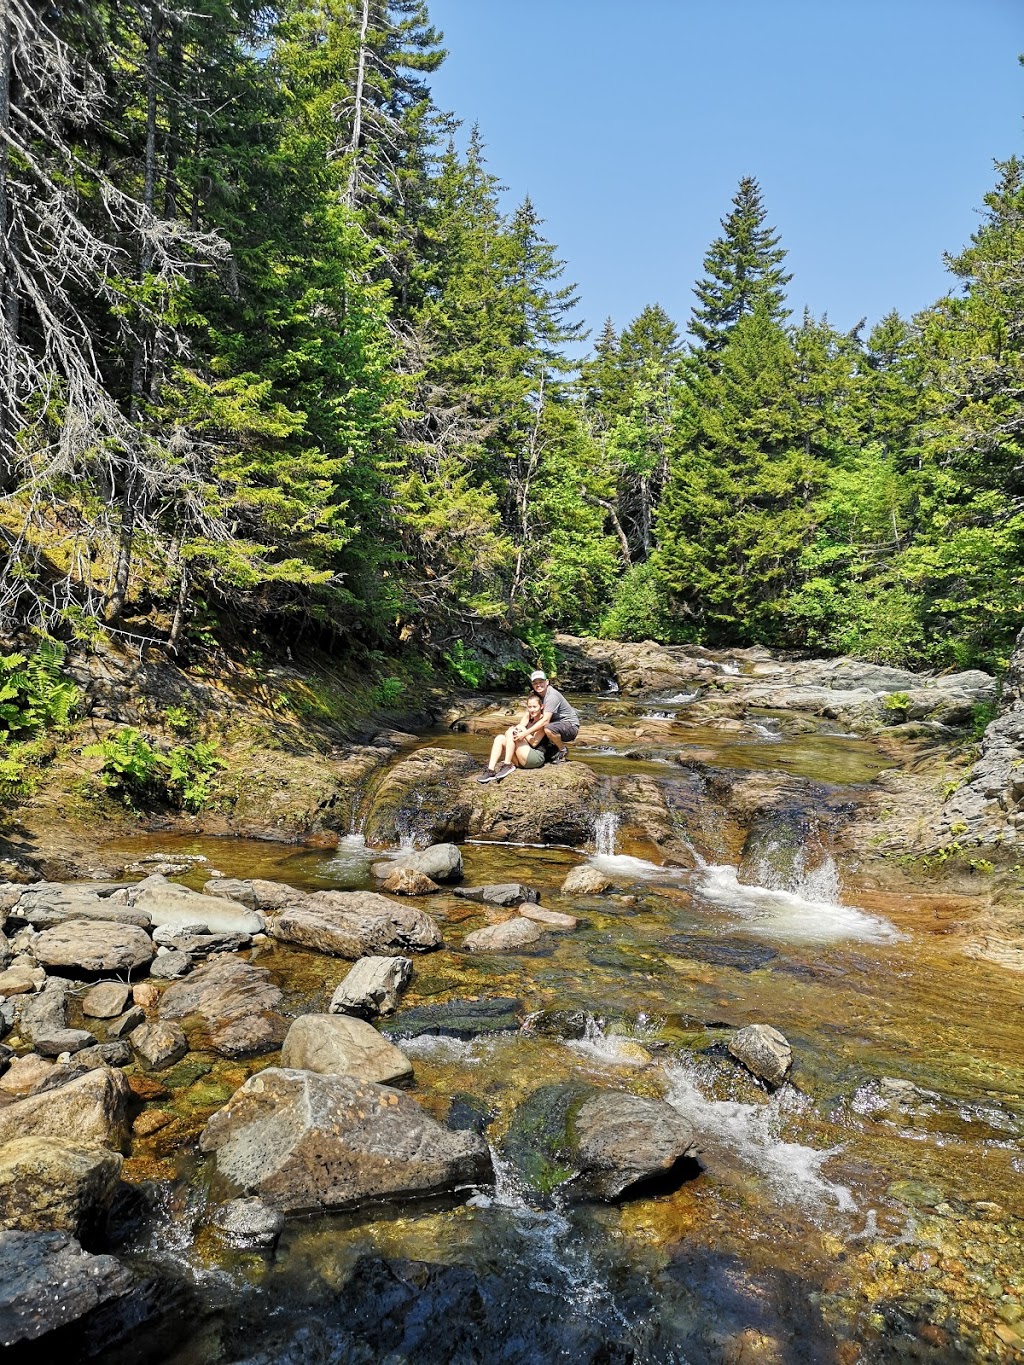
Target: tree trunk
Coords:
[[8, 281], [357, 114]]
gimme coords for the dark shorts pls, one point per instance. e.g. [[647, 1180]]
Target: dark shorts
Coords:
[[565, 729]]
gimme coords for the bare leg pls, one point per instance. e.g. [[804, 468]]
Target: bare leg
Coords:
[[555, 739], [498, 749]]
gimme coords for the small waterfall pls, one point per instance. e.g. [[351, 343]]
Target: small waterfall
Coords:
[[606, 828]]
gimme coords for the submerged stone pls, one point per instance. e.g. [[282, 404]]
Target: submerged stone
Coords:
[[742, 957], [47, 1281], [764, 1051], [507, 937], [457, 1019]]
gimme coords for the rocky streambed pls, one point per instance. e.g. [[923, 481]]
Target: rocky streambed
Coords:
[[677, 1052]]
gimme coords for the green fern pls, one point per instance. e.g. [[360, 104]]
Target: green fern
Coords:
[[34, 694]]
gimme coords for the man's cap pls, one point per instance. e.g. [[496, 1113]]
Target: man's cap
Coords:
[[537, 674]]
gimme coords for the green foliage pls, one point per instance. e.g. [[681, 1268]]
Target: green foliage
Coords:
[[466, 664], [895, 705], [179, 719], [640, 608], [983, 713], [388, 692], [541, 644], [133, 769], [34, 694]]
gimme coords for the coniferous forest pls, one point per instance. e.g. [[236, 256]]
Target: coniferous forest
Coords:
[[274, 350]]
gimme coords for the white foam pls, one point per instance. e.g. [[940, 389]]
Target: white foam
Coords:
[[680, 699], [606, 1049], [437, 1048], [749, 1133], [621, 865], [790, 916]]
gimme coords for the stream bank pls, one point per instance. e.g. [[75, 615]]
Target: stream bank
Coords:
[[710, 848]]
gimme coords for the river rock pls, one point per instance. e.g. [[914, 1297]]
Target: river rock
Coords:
[[170, 964], [586, 881], [21, 980], [303, 1142], [763, 1050], [248, 1223], [94, 946], [47, 1281], [168, 905], [356, 924], [457, 1019], [47, 1012], [25, 1074], [507, 937], [406, 881], [424, 794], [236, 1003], [131, 1019], [233, 889], [159, 1044], [341, 1045], [115, 1053], [596, 1143], [105, 1001], [568, 1024], [272, 896], [90, 1109], [440, 862], [553, 920], [48, 1184], [372, 987], [499, 893], [63, 1040]]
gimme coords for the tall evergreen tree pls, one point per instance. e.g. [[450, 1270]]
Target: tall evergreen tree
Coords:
[[742, 268]]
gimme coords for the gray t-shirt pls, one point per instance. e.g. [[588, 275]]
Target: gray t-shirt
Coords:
[[560, 709]]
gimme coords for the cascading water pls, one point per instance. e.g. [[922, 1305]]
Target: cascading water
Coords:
[[606, 827]]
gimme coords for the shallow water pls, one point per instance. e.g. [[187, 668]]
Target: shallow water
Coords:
[[798, 1240]]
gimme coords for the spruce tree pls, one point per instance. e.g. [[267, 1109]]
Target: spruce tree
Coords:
[[743, 268]]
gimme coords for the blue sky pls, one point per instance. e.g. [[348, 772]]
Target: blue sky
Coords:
[[871, 124]]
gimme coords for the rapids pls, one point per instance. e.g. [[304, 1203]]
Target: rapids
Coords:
[[841, 1218]]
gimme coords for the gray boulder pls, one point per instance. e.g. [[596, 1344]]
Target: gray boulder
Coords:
[[63, 1040], [47, 1281], [586, 881], [507, 937], [499, 893], [356, 924], [440, 862], [169, 905], [554, 921], [248, 1223], [341, 1045], [372, 987], [46, 1013], [233, 889], [90, 1109], [159, 1044], [106, 1001], [131, 1019], [115, 1053], [94, 946], [169, 965], [236, 1004], [763, 1050], [305, 1142], [49, 1184]]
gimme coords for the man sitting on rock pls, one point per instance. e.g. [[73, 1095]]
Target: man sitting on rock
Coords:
[[523, 745], [561, 723]]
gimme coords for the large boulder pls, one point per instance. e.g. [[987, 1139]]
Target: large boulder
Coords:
[[49, 1184], [406, 881], [94, 946], [45, 1014], [233, 1003], [372, 987], [356, 924], [50, 903], [440, 862], [424, 795], [595, 1143], [159, 1044], [586, 880], [47, 1281], [763, 1050], [304, 1142], [91, 1109], [106, 1000], [171, 906], [341, 1045]]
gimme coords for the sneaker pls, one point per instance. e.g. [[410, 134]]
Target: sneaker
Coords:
[[561, 757], [488, 775], [503, 770]]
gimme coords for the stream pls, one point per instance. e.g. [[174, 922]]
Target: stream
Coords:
[[869, 1209]]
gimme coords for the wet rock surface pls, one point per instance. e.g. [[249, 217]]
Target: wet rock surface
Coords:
[[510, 936], [49, 1184], [235, 1003], [248, 1223], [303, 1141], [356, 924], [457, 1019], [763, 1050], [341, 1045], [440, 862], [47, 1281], [372, 987]]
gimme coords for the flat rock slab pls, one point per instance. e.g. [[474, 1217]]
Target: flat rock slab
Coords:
[[586, 881], [594, 1143], [341, 1045], [553, 920], [49, 1184], [90, 1109], [170, 965], [742, 957], [763, 1050], [440, 862], [304, 1142], [457, 1019], [499, 893], [63, 1040], [94, 946], [233, 889], [106, 1001], [167, 904], [47, 1281], [507, 937], [372, 987], [356, 924], [236, 1003]]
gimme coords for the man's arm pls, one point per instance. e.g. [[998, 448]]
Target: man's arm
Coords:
[[545, 720]]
